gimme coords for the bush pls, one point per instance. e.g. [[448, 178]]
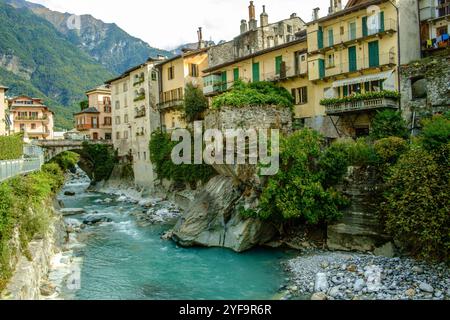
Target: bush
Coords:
[[66, 160], [253, 95], [195, 103], [334, 163], [161, 156], [435, 133], [389, 123], [417, 204], [299, 191], [22, 210], [361, 153], [390, 149], [11, 147], [360, 97]]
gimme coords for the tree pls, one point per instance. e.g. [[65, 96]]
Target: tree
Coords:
[[389, 123], [84, 104], [195, 103]]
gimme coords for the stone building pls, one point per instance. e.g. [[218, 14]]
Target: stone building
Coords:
[[32, 117], [135, 118], [3, 107], [254, 37], [95, 122], [434, 25]]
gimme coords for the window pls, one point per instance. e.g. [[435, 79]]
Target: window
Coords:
[[330, 37], [125, 101], [108, 136], [289, 29], [117, 120], [33, 126], [352, 31], [193, 70], [118, 135], [125, 134], [154, 76], [236, 74], [171, 73], [117, 105], [441, 31], [330, 60], [278, 62], [125, 119], [125, 87], [145, 155], [300, 95], [22, 127], [108, 121]]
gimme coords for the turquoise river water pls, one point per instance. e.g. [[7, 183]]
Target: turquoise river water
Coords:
[[126, 260]]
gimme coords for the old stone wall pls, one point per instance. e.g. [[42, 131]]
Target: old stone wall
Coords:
[[425, 88]]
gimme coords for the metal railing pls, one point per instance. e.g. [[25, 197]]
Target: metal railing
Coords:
[[363, 105], [12, 168]]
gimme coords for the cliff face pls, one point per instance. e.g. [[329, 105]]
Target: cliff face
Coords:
[[105, 42]]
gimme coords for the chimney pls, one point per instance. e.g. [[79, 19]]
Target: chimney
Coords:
[[335, 6], [316, 14], [294, 15], [201, 44], [264, 18], [244, 26], [251, 11]]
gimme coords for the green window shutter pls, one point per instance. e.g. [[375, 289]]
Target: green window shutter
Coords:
[[278, 61], [224, 81], [320, 38], [352, 28], [255, 72], [374, 54], [381, 18], [330, 37], [236, 74], [321, 68], [364, 27], [345, 91], [352, 64]]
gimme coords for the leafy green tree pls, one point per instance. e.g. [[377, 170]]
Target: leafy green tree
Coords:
[[299, 190], [195, 103], [102, 158], [389, 123], [435, 133], [417, 204], [84, 104]]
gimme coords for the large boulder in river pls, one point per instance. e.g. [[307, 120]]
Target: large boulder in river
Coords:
[[214, 219]]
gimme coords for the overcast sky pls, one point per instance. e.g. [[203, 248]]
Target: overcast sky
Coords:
[[168, 23]]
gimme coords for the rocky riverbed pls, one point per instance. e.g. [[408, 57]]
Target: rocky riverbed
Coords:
[[324, 275]]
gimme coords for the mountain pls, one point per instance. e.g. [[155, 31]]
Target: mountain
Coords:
[[105, 42], [36, 59]]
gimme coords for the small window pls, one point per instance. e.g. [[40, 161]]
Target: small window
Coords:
[[125, 119], [300, 95], [117, 105], [171, 73], [193, 70], [118, 135], [33, 126], [289, 29], [125, 87], [154, 76], [125, 134], [117, 120]]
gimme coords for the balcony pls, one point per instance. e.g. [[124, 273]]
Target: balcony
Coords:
[[382, 62], [349, 38], [140, 113], [170, 104], [33, 119], [140, 97], [138, 81], [359, 103], [84, 127]]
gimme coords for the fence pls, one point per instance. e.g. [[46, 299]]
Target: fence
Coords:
[[32, 161]]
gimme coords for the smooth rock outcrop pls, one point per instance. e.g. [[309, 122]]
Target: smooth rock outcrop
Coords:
[[214, 220]]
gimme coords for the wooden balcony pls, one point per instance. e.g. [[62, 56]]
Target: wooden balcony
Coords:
[[360, 106], [84, 127]]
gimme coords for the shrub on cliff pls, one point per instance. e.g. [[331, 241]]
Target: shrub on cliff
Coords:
[[161, 156], [435, 133], [300, 189], [253, 95], [417, 204], [389, 123], [11, 147], [195, 103], [390, 149], [22, 212]]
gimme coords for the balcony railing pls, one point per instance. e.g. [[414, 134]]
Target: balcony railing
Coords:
[[170, 104], [352, 36], [140, 113], [384, 60], [88, 126], [139, 98], [43, 118], [364, 105]]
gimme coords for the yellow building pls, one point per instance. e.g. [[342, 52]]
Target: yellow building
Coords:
[[285, 64], [3, 105], [354, 51], [175, 74], [32, 117], [95, 122]]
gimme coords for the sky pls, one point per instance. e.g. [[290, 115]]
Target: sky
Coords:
[[166, 24]]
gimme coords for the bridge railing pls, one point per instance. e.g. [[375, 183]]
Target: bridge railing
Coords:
[[12, 168]]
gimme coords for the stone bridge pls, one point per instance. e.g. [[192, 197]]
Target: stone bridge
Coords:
[[54, 147]]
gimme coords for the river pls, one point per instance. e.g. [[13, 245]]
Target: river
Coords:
[[127, 259]]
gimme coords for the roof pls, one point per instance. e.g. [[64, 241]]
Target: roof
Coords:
[[4, 88], [185, 54], [256, 54], [88, 110], [352, 6], [103, 87]]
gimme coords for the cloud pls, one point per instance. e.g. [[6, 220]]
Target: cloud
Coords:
[[169, 23]]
